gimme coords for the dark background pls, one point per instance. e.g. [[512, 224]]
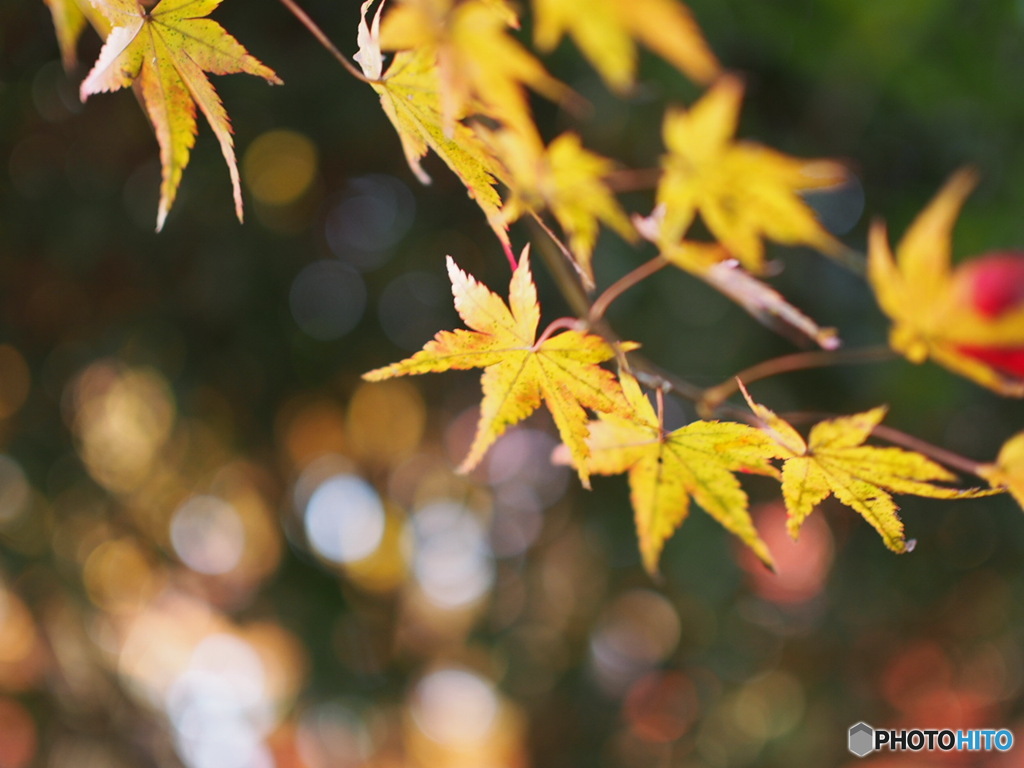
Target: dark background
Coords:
[[218, 548]]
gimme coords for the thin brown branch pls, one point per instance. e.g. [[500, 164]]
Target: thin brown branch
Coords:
[[851, 259], [623, 284], [632, 180], [585, 279], [561, 324], [713, 397], [941, 455], [568, 281], [318, 33], [654, 376]]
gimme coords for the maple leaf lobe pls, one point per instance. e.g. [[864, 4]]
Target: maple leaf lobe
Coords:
[[666, 470], [834, 461], [164, 52], [562, 371]]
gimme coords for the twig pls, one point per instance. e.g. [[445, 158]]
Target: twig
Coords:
[[941, 455], [623, 284], [654, 376], [632, 180], [561, 324], [713, 397], [568, 282], [318, 33], [585, 279]]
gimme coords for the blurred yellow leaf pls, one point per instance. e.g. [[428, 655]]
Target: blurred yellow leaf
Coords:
[[520, 371], [605, 29], [834, 461], [565, 178], [410, 96], [165, 50], [971, 319], [1008, 471], [666, 469], [479, 64], [69, 17], [743, 191]]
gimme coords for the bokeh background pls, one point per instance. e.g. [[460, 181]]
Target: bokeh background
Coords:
[[219, 549]]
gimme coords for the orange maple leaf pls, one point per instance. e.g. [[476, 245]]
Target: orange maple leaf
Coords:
[[164, 52], [743, 191], [950, 315], [520, 370]]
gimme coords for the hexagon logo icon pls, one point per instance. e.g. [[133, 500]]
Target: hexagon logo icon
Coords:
[[861, 739]]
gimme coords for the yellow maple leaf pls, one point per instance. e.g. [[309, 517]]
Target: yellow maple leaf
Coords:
[[937, 311], [667, 469], [520, 370], [1008, 471], [834, 461], [743, 191], [605, 29], [478, 62], [164, 52], [410, 96], [566, 179], [69, 18]]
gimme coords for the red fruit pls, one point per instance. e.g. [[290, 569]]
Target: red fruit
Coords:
[[993, 282], [1008, 360]]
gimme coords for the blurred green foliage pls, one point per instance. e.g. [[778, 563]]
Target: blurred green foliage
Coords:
[[502, 619]]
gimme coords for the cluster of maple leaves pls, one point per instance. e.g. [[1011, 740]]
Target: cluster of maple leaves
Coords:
[[453, 78]]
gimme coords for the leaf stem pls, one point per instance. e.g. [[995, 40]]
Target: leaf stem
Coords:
[[561, 324], [564, 249], [654, 376], [659, 396], [713, 397], [632, 180], [623, 284], [568, 282], [318, 33]]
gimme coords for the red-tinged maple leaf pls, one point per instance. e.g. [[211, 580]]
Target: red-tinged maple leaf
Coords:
[[969, 319], [520, 371], [164, 53]]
